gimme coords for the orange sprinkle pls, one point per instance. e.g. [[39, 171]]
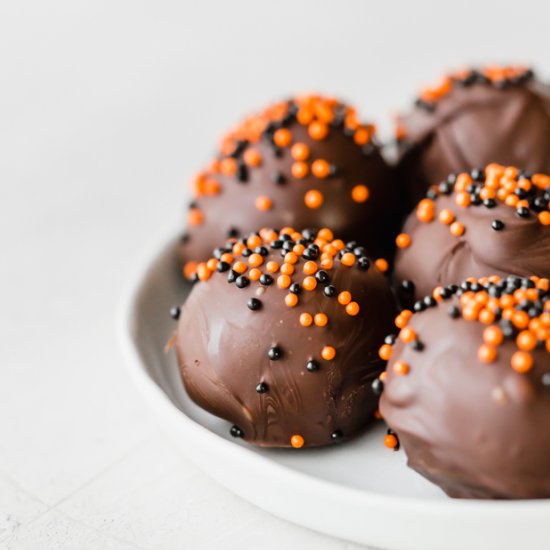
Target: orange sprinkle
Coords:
[[238, 248], [344, 298], [320, 320], [407, 335], [299, 151], [252, 157], [390, 441], [297, 441], [264, 203], [544, 217], [486, 353], [228, 166], [328, 353], [462, 199], [360, 193], [522, 361], [381, 264], [446, 216], [211, 264], [189, 269], [310, 268], [253, 241], [203, 272], [526, 340], [401, 368], [282, 137], [306, 319], [255, 260], [486, 316], [457, 229], [272, 267], [493, 336], [299, 170], [325, 234], [227, 258], [320, 168], [313, 199], [361, 136], [291, 300], [239, 267], [352, 309], [348, 259], [283, 281], [254, 274], [520, 319], [403, 240], [195, 217], [309, 283], [291, 258], [317, 130], [287, 269], [385, 352]]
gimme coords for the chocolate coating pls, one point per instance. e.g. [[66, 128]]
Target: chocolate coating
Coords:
[[476, 123], [262, 371], [233, 212], [477, 430], [496, 241]]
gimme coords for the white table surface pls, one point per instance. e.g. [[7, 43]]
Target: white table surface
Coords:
[[106, 110]]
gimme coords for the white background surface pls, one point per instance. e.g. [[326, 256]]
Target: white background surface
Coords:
[[106, 109]]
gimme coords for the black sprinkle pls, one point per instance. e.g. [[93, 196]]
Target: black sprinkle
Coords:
[[254, 304], [266, 279], [454, 312], [377, 386], [295, 288], [275, 353], [329, 291], [497, 225], [235, 431], [175, 313], [336, 435], [322, 276], [242, 281], [407, 286], [363, 263], [312, 365], [262, 387]]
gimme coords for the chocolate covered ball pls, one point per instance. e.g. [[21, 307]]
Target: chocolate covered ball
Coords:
[[280, 336], [496, 114], [306, 162], [466, 392], [491, 221]]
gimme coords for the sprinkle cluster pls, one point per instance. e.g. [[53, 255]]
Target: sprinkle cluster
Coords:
[[307, 260], [514, 309], [239, 151], [528, 194]]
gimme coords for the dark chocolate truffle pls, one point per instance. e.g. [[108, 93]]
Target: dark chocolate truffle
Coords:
[[475, 226], [471, 407], [297, 369], [306, 162], [497, 114]]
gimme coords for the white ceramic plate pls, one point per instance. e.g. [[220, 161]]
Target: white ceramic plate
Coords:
[[358, 491]]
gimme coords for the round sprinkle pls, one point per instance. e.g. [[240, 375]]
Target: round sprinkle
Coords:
[[254, 304], [385, 352], [377, 386], [544, 218], [401, 368], [320, 320], [336, 435], [283, 281], [175, 313], [297, 441], [407, 335], [493, 336], [195, 217], [235, 431], [457, 229], [275, 353], [264, 203], [252, 157], [255, 260], [382, 265], [310, 268], [352, 309], [403, 240], [317, 130], [360, 193], [522, 361], [313, 199], [328, 353], [299, 151], [497, 225], [291, 300], [526, 340], [309, 283], [282, 137], [312, 366], [348, 259], [262, 387], [329, 291], [306, 320], [291, 258], [446, 216], [299, 170], [344, 298], [320, 168], [391, 441], [486, 353], [272, 266], [287, 269]]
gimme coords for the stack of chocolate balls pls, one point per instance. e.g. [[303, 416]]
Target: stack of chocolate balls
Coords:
[[331, 289]]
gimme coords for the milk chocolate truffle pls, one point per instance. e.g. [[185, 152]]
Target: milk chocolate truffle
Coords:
[[280, 337], [491, 221], [306, 162], [467, 389], [473, 117]]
